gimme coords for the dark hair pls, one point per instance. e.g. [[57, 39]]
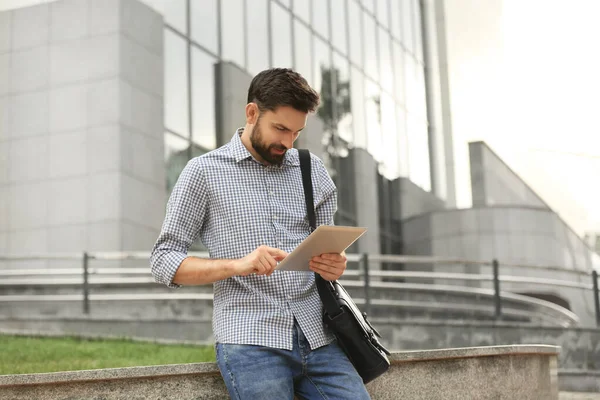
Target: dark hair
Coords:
[[276, 87]]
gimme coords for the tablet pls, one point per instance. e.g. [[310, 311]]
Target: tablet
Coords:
[[324, 239]]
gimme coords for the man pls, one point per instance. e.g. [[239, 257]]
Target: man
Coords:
[[245, 201]]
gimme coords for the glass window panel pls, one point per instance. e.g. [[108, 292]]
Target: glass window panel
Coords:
[[176, 157], [303, 58], [175, 14], [373, 120], [383, 15], [402, 142], [302, 9], [232, 31], [369, 5], [320, 17], [204, 23], [418, 33], [357, 102], [343, 115], [355, 22], [385, 60], [321, 63], [399, 72], [418, 150], [286, 3], [371, 67], [389, 136], [396, 19], [203, 99], [406, 10], [258, 36], [176, 112], [281, 35], [338, 25]]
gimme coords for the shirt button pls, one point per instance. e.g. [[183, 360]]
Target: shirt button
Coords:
[[274, 216], [271, 193]]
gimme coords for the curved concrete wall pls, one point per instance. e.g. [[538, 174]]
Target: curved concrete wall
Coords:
[[511, 234]]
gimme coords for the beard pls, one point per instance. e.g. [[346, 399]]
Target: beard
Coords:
[[265, 150]]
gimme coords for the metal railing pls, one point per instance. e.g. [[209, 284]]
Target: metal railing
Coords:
[[368, 278]]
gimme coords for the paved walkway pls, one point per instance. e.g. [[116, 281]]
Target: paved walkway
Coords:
[[578, 396]]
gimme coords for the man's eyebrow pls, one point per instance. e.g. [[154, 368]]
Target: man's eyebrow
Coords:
[[286, 128]]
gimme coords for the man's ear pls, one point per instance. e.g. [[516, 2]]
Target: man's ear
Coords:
[[252, 113]]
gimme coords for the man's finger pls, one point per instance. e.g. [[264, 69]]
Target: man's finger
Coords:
[[277, 253]]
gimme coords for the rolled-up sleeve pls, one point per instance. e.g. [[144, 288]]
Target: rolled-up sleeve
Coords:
[[185, 215]]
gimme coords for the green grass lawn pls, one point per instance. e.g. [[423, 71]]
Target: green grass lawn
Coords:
[[22, 355]]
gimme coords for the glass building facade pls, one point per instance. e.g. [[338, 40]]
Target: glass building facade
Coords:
[[364, 57]]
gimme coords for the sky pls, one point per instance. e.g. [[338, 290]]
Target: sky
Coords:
[[524, 77]]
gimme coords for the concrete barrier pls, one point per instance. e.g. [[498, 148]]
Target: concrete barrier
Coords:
[[525, 372]]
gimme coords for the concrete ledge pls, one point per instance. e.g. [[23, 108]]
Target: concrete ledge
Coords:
[[498, 372]]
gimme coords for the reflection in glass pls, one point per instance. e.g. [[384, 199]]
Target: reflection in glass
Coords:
[[176, 111], [232, 31], [338, 25], [258, 36], [355, 25], [204, 23], [320, 17], [176, 157], [389, 134], [371, 66], [373, 120], [418, 149], [343, 115], [302, 9], [383, 15], [399, 72], [281, 35], [302, 54], [402, 151], [321, 62], [357, 102], [203, 99], [334, 111], [175, 14], [385, 60], [406, 13]]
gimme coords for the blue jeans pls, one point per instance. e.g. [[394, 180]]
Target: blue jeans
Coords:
[[257, 372]]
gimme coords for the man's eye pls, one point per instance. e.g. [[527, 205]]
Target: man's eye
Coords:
[[280, 128]]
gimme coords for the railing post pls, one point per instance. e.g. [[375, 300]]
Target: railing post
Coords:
[[86, 286], [365, 262], [497, 301], [596, 296]]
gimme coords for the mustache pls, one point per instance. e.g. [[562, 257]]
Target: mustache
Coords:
[[279, 147]]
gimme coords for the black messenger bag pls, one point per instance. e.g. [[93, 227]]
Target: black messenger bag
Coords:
[[355, 335]]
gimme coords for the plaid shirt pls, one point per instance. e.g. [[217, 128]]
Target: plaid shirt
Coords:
[[235, 204]]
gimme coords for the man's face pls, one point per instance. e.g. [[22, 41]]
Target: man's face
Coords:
[[275, 132]]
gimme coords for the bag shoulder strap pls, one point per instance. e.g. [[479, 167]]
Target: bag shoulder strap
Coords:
[[324, 287]]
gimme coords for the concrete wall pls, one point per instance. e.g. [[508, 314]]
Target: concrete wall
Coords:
[[81, 133], [494, 183], [508, 372], [512, 235]]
